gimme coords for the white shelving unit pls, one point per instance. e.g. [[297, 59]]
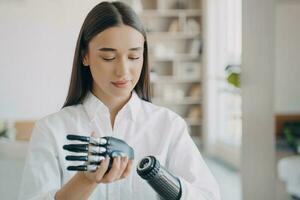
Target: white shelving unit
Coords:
[[174, 38]]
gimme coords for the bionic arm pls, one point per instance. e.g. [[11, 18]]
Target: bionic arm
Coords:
[[95, 150]]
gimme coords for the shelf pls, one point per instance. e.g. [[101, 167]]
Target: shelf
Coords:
[[193, 122], [173, 35], [231, 90], [175, 42], [176, 57], [170, 79], [170, 12], [183, 101]]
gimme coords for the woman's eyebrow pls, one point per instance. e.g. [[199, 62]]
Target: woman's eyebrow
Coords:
[[107, 49], [136, 48], [111, 49]]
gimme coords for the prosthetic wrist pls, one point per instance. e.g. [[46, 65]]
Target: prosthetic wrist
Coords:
[[163, 182], [94, 150]]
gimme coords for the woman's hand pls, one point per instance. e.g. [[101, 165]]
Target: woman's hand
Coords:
[[120, 169], [83, 183]]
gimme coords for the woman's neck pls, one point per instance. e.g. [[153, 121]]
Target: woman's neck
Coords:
[[113, 104]]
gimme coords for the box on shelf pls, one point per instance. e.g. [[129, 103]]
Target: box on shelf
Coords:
[[189, 70]]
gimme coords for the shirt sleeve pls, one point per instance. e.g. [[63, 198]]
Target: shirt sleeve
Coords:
[[185, 161], [41, 175]]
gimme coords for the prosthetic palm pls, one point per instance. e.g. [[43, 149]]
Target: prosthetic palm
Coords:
[[94, 150]]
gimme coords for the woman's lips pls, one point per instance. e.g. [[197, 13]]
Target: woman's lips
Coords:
[[120, 84]]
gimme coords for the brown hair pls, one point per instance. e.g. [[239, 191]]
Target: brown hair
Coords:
[[103, 16]]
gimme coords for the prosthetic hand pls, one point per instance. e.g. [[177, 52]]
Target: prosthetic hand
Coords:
[[163, 182], [95, 150]]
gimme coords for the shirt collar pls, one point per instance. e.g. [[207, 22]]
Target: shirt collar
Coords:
[[94, 106]]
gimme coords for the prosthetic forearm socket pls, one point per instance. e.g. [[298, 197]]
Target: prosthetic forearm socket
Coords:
[[166, 185]]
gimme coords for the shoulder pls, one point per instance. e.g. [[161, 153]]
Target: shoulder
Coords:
[[150, 110], [66, 115]]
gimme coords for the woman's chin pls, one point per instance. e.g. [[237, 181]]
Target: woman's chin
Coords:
[[121, 93]]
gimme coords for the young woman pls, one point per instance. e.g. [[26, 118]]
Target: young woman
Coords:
[[109, 95]]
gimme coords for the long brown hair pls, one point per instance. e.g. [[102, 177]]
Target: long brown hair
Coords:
[[103, 16]]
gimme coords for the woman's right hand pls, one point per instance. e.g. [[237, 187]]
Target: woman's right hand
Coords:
[[121, 167], [83, 183]]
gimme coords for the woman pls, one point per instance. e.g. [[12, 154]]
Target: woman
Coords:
[[109, 96]]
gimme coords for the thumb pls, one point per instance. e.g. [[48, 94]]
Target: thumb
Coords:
[[93, 134]]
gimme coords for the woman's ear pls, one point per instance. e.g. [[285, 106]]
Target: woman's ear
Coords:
[[85, 58], [85, 61]]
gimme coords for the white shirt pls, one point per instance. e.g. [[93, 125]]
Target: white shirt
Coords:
[[149, 129]]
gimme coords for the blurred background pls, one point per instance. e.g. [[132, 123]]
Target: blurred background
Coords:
[[230, 68]]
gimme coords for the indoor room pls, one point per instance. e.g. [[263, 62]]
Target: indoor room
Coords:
[[209, 88]]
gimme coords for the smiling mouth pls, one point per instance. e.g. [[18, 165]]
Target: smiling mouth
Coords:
[[121, 84]]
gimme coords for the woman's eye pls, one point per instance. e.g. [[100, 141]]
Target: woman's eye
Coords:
[[108, 59], [134, 58]]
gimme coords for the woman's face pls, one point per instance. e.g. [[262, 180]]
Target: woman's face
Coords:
[[115, 58]]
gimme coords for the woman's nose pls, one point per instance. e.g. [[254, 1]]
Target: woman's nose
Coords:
[[122, 68]]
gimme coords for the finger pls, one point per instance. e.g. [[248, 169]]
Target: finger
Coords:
[[113, 172], [93, 134], [94, 140], [89, 158], [123, 165], [77, 168], [96, 149], [84, 148], [78, 137], [127, 170], [82, 168], [76, 147], [102, 168], [77, 158]]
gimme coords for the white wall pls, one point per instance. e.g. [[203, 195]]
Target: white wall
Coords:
[[287, 76], [37, 40]]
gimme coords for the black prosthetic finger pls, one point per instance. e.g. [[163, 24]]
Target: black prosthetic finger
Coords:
[[77, 158], [91, 166], [85, 148], [97, 149], [76, 147], [98, 141], [91, 140], [89, 158], [77, 168], [83, 168], [79, 138]]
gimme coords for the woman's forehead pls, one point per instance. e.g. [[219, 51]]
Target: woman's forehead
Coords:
[[119, 37]]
